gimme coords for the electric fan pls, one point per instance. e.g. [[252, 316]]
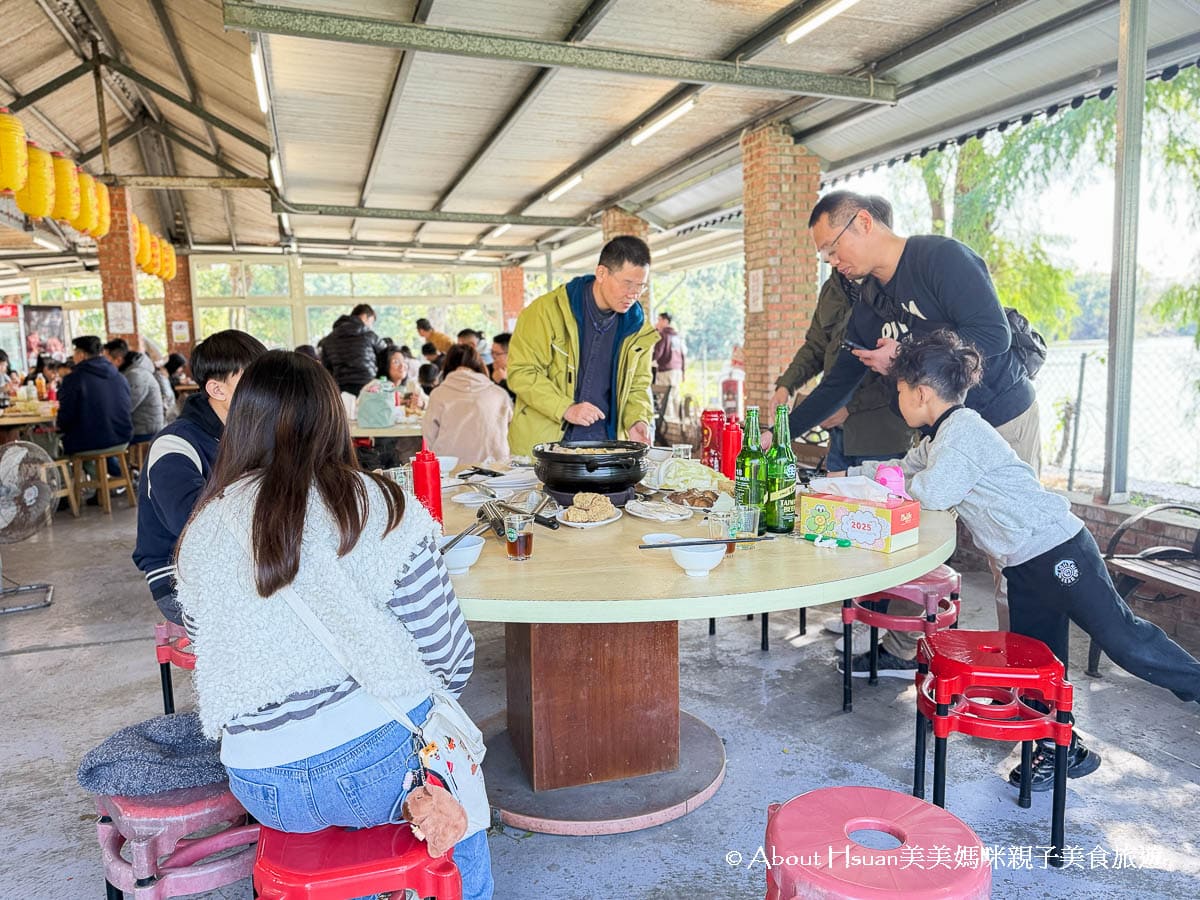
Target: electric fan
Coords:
[[29, 479]]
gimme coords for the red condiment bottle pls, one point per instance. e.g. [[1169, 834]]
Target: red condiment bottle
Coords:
[[427, 481], [731, 446]]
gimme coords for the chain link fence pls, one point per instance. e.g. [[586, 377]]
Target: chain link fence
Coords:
[[1164, 452]]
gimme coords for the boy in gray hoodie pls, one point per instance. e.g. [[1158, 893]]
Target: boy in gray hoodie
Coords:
[[1055, 572]]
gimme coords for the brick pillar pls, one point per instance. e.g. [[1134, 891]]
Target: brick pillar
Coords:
[[177, 298], [615, 222], [512, 294], [780, 182], [118, 269]]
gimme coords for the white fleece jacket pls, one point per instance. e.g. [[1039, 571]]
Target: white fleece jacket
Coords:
[[252, 651]]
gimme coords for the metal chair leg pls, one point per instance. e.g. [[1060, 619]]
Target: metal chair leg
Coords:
[[112, 892], [874, 654], [168, 693], [804, 620], [847, 684], [766, 638], [1024, 800], [1058, 820], [939, 763], [919, 759], [712, 626]]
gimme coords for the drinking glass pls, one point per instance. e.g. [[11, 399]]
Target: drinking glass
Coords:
[[402, 475], [747, 523], [518, 534], [724, 525], [681, 451]]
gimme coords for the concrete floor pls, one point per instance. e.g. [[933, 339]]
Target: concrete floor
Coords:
[[78, 671]]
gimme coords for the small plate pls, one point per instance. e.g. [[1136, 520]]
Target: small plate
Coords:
[[658, 510], [522, 478], [478, 498], [560, 515]]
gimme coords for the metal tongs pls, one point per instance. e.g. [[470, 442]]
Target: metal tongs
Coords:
[[545, 521], [473, 528], [491, 517]]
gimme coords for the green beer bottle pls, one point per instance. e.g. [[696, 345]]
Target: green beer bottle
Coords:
[[780, 502], [750, 470]]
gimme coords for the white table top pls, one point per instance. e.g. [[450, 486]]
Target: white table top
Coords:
[[599, 575], [402, 429]]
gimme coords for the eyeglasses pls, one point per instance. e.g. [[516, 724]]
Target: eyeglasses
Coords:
[[831, 248], [633, 288]]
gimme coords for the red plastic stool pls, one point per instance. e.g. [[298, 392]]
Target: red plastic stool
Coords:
[[937, 591], [163, 861], [336, 863], [172, 647], [981, 683], [812, 854]]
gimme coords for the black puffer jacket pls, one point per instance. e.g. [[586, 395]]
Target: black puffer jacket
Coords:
[[351, 352]]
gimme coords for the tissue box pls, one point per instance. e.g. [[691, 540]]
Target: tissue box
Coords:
[[870, 524]]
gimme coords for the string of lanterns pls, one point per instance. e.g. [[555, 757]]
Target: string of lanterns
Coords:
[[48, 184]]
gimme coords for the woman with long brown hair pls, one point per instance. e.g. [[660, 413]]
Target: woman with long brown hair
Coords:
[[306, 744]]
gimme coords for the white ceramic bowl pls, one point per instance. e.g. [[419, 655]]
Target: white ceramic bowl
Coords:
[[463, 554], [695, 561], [658, 455], [447, 464]]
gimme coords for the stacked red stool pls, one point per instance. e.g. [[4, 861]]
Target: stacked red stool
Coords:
[[336, 863], [936, 591], [172, 647], [812, 852], [983, 683], [164, 860]]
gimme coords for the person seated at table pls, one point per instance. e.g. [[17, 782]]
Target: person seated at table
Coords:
[[499, 366], [1055, 572], [441, 341], [428, 377], [180, 460], [176, 369], [351, 350], [94, 406], [307, 745], [467, 416], [394, 370], [41, 367], [432, 356], [579, 359], [144, 392]]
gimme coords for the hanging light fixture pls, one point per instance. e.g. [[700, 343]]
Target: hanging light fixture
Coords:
[[815, 18], [103, 212], [14, 153], [564, 187], [659, 124], [36, 199], [66, 188], [89, 212]]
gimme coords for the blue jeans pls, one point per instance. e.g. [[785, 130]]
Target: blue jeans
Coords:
[[836, 459], [356, 785]]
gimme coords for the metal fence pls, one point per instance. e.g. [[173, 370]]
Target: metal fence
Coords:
[[1164, 453]]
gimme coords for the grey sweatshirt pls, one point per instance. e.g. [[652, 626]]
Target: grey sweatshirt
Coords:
[[968, 467]]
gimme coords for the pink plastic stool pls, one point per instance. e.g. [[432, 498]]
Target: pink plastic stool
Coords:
[[336, 863], [812, 855], [937, 591], [163, 861], [171, 647]]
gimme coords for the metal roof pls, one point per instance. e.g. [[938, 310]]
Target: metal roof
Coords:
[[500, 103]]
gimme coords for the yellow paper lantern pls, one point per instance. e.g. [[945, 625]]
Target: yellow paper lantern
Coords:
[[14, 153], [171, 262], [36, 199], [143, 246], [89, 212], [155, 265], [103, 212], [66, 188]]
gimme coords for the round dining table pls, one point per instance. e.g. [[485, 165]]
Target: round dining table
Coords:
[[593, 740]]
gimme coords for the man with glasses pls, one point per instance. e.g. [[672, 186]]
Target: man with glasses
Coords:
[[579, 358], [916, 285]]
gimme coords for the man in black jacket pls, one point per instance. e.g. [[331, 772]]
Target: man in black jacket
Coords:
[[351, 350], [94, 408]]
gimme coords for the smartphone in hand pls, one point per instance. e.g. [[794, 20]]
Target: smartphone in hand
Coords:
[[850, 345]]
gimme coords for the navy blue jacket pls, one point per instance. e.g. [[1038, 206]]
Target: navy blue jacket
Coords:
[[94, 408], [178, 465]]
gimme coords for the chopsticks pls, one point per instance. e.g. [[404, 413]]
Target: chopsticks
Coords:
[[713, 543]]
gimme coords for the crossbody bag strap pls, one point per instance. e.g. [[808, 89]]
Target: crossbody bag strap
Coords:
[[325, 636]]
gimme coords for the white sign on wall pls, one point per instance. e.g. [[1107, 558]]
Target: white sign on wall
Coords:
[[755, 303], [119, 315], [180, 332]]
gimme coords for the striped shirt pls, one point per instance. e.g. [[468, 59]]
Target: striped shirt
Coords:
[[310, 722]]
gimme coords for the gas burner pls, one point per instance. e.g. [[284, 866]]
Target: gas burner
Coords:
[[617, 498]]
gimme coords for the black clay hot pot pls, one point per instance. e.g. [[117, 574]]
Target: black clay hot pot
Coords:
[[621, 466]]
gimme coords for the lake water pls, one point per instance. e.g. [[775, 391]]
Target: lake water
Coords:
[[1163, 420]]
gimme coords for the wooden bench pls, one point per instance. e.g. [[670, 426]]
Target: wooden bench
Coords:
[[1168, 571]]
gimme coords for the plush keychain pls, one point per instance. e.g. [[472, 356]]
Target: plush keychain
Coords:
[[436, 816]]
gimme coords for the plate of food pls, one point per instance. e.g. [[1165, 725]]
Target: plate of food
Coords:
[[686, 474], [693, 498], [478, 498], [658, 510], [588, 510]]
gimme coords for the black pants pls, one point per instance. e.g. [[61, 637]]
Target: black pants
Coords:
[[1071, 584]]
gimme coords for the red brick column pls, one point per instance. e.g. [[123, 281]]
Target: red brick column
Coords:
[[615, 222], [512, 294], [118, 270], [177, 297], [780, 182]]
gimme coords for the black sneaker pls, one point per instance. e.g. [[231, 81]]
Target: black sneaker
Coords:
[[888, 666], [1080, 762]]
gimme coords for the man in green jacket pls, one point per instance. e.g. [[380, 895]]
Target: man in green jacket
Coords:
[[579, 358], [868, 427]]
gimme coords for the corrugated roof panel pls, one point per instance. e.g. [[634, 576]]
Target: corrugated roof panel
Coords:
[[706, 29], [527, 18]]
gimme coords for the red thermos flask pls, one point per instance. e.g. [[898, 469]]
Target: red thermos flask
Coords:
[[731, 446], [427, 481], [712, 426]]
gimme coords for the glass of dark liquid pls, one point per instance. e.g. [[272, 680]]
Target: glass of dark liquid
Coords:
[[518, 533]]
